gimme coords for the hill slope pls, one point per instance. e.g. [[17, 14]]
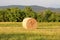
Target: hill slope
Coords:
[[34, 7]]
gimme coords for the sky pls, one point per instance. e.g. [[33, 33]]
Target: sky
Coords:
[[45, 3]]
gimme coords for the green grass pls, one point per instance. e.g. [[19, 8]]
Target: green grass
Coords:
[[24, 36], [44, 31]]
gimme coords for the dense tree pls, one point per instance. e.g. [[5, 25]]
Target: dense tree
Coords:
[[47, 15], [17, 15], [29, 12]]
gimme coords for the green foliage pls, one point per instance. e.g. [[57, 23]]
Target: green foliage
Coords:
[[17, 15], [29, 12]]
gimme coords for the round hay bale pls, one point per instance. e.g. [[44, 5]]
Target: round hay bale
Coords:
[[29, 23]]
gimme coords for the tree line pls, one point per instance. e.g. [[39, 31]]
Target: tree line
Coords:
[[17, 15]]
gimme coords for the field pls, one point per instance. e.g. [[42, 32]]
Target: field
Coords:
[[15, 31]]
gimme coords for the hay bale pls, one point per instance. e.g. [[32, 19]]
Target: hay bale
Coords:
[[29, 23]]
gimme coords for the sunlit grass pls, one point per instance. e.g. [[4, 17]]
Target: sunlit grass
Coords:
[[10, 24], [15, 31], [40, 24]]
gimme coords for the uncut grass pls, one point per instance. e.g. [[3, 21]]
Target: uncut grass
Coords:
[[24, 36]]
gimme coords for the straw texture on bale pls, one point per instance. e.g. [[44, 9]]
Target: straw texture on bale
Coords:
[[29, 23]]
